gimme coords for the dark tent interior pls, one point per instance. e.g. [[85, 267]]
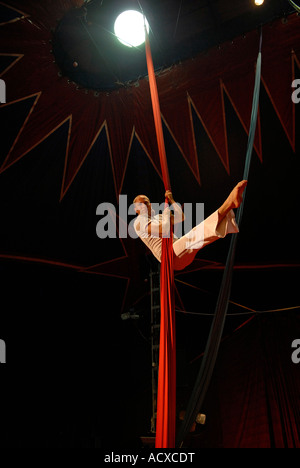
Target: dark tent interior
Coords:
[[77, 132]]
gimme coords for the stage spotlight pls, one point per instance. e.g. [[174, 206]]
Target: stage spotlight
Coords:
[[258, 2], [129, 28]]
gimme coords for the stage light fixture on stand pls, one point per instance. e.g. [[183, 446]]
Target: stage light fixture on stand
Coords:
[[130, 28]]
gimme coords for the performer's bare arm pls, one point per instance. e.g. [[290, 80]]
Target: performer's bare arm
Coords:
[[177, 213], [174, 216]]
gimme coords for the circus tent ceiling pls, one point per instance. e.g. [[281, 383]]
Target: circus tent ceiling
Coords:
[[68, 145]]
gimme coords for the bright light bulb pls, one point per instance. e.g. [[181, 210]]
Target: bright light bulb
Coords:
[[259, 2], [130, 29]]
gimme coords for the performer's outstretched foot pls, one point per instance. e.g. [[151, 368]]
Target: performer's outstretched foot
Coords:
[[236, 196], [234, 200]]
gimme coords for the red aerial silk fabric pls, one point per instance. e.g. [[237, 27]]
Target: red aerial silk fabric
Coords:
[[166, 392]]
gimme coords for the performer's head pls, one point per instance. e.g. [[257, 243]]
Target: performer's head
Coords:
[[142, 205]]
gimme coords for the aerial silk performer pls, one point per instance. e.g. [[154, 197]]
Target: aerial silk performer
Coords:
[[174, 253]]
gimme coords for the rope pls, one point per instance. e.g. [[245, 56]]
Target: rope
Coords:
[[297, 8], [177, 21], [250, 311]]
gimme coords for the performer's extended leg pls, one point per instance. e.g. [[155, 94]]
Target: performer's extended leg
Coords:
[[216, 226], [186, 248]]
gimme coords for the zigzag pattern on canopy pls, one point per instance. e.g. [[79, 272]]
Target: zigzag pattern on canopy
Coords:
[[199, 84]]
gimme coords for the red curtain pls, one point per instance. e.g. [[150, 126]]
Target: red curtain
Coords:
[[166, 393], [254, 397]]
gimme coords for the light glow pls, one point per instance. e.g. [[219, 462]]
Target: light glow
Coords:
[[129, 28], [259, 2]]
